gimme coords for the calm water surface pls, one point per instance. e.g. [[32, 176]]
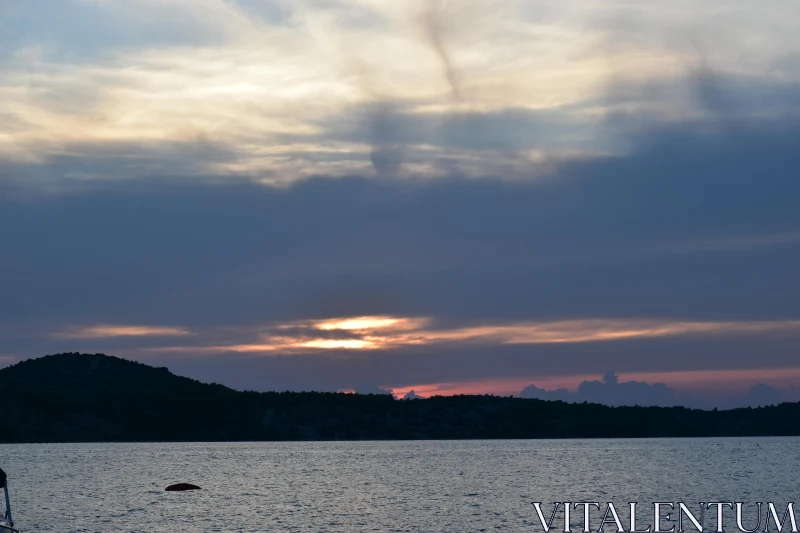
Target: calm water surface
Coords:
[[455, 486]]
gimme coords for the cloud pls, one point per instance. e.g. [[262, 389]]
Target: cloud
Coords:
[[387, 333], [432, 26], [682, 191], [411, 395], [277, 92], [762, 394], [107, 331], [610, 391]]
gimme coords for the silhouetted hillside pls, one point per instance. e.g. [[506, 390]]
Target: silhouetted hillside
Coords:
[[82, 397]]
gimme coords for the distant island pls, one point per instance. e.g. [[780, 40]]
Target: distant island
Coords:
[[74, 397]]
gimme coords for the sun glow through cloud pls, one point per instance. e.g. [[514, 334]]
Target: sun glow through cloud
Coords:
[[366, 323], [384, 332]]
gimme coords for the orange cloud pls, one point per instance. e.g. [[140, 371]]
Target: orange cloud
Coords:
[[385, 332], [107, 331]]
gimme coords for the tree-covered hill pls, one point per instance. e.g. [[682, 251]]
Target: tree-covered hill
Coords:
[[76, 397]]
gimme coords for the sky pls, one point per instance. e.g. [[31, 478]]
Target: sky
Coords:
[[566, 199]]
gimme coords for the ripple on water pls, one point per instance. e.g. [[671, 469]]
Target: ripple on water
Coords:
[[458, 486]]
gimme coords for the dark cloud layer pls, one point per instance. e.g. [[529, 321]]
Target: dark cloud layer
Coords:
[[639, 223]]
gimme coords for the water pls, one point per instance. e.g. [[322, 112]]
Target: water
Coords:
[[454, 486]]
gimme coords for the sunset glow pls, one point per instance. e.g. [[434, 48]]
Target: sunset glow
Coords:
[[728, 381], [387, 333], [106, 331]]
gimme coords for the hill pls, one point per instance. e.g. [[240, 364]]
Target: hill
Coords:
[[77, 397]]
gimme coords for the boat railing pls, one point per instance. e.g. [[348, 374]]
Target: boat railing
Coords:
[[6, 521]]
